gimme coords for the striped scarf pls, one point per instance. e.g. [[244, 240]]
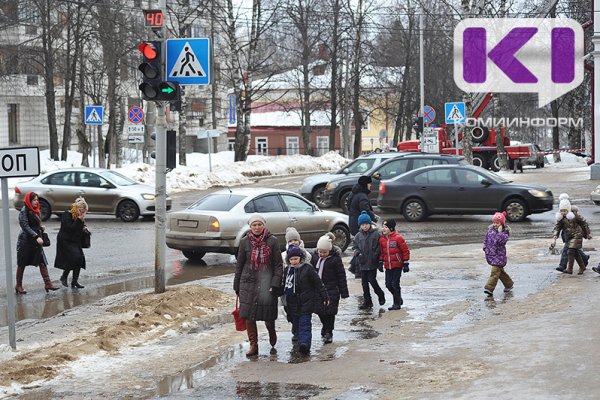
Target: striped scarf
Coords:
[[260, 251]]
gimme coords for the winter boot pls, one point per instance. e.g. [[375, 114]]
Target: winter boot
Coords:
[[47, 282], [63, 278], [19, 287], [328, 337], [570, 263], [397, 304], [272, 333], [368, 303], [381, 298], [75, 281], [252, 338]]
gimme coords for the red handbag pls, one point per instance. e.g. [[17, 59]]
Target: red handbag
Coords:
[[240, 323]]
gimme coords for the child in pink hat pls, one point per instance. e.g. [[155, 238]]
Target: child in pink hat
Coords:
[[494, 247]]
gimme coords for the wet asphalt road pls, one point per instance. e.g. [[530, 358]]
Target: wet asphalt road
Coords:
[[122, 254]]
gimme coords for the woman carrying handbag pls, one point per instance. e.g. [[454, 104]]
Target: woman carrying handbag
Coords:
[[70, 242], [30, 243]]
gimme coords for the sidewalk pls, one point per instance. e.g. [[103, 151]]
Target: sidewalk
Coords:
[[448, 341]]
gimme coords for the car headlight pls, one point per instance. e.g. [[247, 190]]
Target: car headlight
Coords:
[[596, 191], [148, 196], [537, 193], [331, 186]]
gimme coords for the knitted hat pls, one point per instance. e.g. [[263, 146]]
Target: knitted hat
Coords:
[[256, 217], [294, 251], [291, 234], [564, 205], [364, 218], [563, 196], [325, 243], [364, 179], [500, 217], [390, 223]]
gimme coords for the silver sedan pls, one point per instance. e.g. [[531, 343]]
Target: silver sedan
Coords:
[[218, 221]]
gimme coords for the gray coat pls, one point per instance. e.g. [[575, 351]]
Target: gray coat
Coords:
[[257, 303], [366, 245]]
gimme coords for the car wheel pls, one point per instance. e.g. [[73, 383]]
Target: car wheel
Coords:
[[495, 163], [193, 255], [45, 210], [516, 210], [342, 237], [321, 197], [343, 200], [128, 211], [479, 161], [414, 210]]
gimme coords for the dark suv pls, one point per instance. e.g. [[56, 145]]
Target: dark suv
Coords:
[[340, 188]]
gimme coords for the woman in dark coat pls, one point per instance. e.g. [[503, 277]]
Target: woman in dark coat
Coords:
[[69, 253], [30, 242], [328, 262], [258, 280]]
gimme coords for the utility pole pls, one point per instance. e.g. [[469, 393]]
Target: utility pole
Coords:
[[421, 67], [160, 171], [595, 168]]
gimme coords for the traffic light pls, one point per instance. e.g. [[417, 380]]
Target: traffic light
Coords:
[[151, 68], [171, 149], [418, 125]]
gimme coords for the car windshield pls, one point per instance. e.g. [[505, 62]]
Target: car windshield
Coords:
[[217, 202], [358, 166], [117, 178], [494, 177]]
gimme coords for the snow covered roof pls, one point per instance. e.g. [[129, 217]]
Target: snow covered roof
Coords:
[[287, 118]]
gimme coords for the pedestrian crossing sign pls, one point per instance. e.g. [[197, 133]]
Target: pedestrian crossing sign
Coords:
[[94, 115], [455, 113], [188, 61]]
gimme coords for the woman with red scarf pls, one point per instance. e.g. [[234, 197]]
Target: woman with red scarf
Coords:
[[258, 280], [29, 243]]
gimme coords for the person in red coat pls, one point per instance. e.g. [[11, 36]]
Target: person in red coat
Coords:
[[394, 256]]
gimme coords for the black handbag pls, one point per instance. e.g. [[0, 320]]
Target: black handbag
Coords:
[[86, 238], [46, 239]]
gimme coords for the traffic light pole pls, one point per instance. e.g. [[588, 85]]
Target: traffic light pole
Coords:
[[160, 183]]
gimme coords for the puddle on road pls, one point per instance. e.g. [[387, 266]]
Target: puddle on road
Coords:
[[34, 306]]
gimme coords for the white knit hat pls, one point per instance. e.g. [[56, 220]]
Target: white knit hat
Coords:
[[291, 234], [564, 205], [256, 217], [325, 243], [563, 196]]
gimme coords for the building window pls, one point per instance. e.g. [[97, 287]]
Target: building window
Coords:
[[262, 146], [230, 144], [32, 80], [366, 120], [292, 145], [13, 123], [30, 30], [322, 145]]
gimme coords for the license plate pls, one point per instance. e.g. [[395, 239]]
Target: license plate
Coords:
[[187, 224]]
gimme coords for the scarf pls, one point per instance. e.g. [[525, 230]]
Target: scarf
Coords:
[[320, 265], [28, 204], [260, 251]]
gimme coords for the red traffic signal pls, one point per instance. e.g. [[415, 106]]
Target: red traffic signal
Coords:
[[150, 50]]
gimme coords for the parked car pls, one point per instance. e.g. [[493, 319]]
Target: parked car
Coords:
[[536, 157], [105, 191], [217, 222], [595, 195], [340, 188], [314, 187], [460, 189]]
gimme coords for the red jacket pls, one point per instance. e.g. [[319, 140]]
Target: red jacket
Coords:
[[393, 250]]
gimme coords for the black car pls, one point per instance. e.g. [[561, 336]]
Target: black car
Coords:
[[461, 189], [340, 188]]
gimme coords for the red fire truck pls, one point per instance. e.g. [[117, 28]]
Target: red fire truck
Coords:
[[485, 152]]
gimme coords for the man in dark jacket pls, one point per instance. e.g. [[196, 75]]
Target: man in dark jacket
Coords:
[[358, 202]]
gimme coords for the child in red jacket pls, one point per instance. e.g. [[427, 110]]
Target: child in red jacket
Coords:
[[394, 256]]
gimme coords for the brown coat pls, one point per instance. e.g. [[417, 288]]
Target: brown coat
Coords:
[[575, 230], [257, 303]]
